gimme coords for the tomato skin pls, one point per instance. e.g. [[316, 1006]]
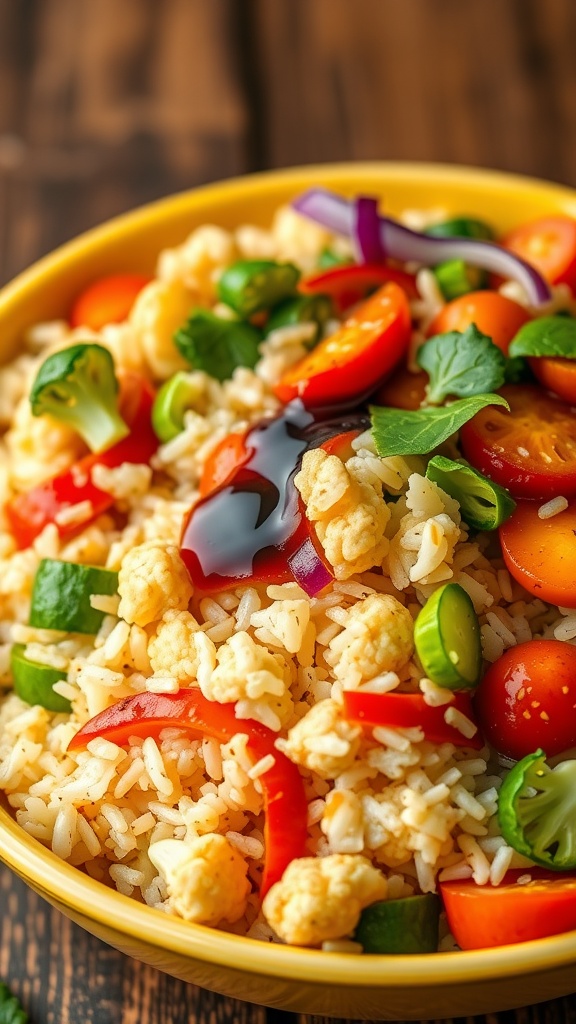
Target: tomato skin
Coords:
[[107, 300], [557, 375], [403, 390], [539, 553], [494, 315], [228, 455], [527, 699], [356, 357], [495, 442], [549, 244], [351, 284], [484, 916]]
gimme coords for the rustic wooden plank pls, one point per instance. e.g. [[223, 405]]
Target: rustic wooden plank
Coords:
[[489, 82], [63, 975], [94, 121]]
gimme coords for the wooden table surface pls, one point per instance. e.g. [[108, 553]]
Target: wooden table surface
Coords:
[[106, 104]]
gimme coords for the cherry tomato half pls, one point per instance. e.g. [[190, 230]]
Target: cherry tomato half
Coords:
[[549, 244], [107, 301], [527, 699], [354, 359], [556, 374], [531, 450], [539, 553], [483, 916], [495, 315]]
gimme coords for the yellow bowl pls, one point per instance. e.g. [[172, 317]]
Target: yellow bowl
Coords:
[[373, 987]]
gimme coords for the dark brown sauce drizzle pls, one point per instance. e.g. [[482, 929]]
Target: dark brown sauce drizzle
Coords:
[[248, 528]]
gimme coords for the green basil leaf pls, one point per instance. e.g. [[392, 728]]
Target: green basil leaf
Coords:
[[216, 345], [403, 432], [484, 505], [462, 364], [548, 336]]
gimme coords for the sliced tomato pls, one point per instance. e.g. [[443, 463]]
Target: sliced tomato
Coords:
[[539, 553], [353, 360], [107, 301], [483, 916], [556, 374], [531, 450], [224, 459], [527, 699], [495, 315], [403, 390], [549, 244], [351, 284]]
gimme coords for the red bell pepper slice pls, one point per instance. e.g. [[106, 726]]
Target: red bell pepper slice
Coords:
[[408, 710], [228, 455], [351, 362], [146, 714], [351, 284], [28, 513]]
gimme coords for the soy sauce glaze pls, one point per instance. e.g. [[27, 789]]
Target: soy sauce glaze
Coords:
[[248, 528]]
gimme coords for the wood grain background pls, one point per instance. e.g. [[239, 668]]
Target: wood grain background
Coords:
[[106, 104]]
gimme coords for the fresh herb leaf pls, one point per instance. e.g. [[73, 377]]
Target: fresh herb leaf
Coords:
[[11, 1012], [484, 505], [548, 336], [216, 345], [462, 364], [403, 432]]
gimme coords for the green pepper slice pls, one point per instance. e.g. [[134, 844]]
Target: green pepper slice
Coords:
[[461, 227], [484, 505], [537, 811], [447, 639], [173, 400], [456, 278], [61, 596], [34, 682], [408, 925], [249, 286]]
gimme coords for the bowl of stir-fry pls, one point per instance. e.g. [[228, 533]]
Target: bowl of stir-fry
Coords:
[[288, 630]]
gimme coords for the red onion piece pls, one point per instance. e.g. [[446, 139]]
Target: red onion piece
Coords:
[[308, 569], [366, 235], [337, 214]]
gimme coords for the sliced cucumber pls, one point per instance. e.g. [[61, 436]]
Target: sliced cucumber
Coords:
[[447, 639], [34, 683], [407, 925], [61, 596]]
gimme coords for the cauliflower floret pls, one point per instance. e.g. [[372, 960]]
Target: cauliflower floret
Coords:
[[350, 514], [199, 261], [206, 879], [244, 669], [159, 310], [321, 898], [174, 650], [152, 579], [378, 637], [323, 740]]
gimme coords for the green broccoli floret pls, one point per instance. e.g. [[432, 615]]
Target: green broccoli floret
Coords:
[[78, 386]]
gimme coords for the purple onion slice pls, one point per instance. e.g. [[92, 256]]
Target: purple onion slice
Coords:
[[366, 238], [400, 243], [308, 569]]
